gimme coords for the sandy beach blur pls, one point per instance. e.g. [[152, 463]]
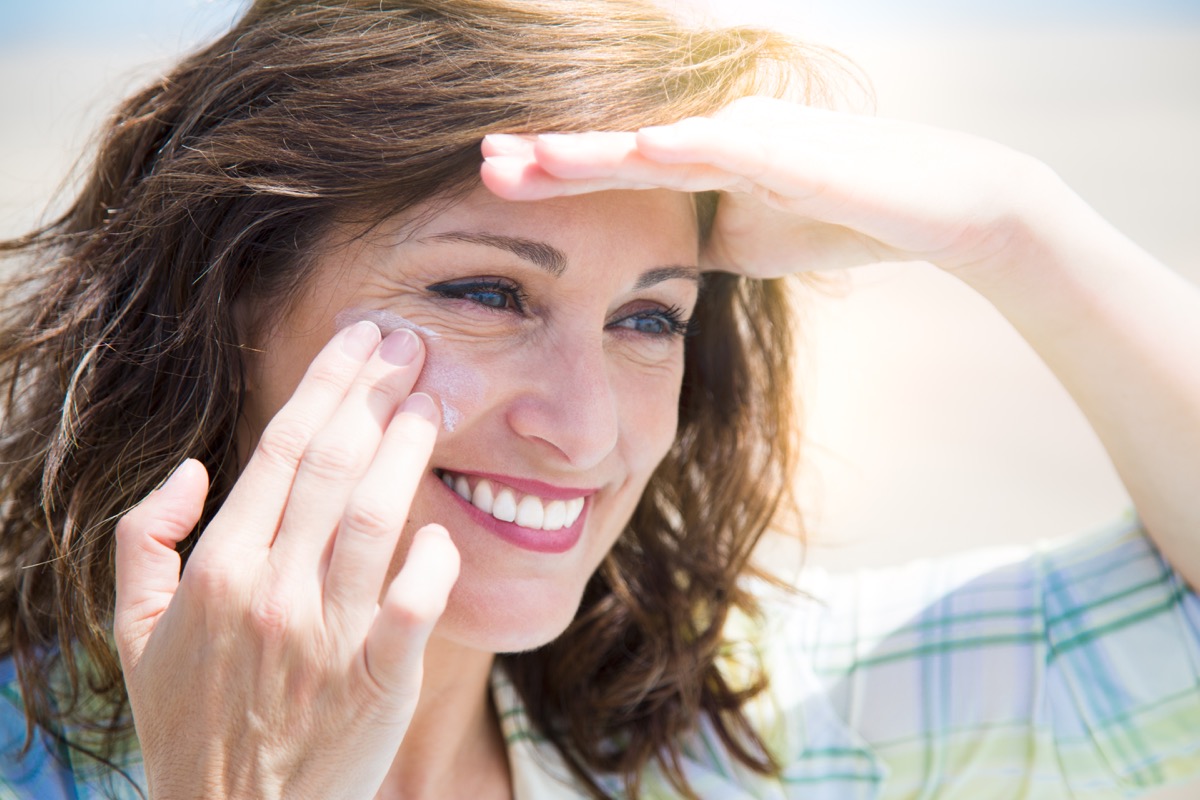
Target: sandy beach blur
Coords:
[[932, 427]]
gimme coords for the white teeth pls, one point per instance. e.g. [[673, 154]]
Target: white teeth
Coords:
[[574, 509], [556, 515], [530, 512], [505, 507], [483, 499], [462, 488]]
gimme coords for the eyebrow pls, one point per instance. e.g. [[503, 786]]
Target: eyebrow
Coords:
[[549, 258], [553, 260], [660, 274]]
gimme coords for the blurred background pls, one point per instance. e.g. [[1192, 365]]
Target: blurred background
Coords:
[[932, 427]]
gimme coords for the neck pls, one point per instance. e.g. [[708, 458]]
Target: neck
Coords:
[[453, 747]]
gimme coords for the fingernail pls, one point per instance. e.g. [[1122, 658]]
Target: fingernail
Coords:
[[422, 405], [360, 339], [399, 348], [501, 144], [507, 162], [175, 473]]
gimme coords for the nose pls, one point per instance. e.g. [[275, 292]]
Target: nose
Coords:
[[567, 404]]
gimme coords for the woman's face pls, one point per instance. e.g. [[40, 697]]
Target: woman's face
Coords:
[[553, 341]]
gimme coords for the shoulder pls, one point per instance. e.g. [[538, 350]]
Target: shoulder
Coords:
[[1073, 663], [54, 766], [42, 771]]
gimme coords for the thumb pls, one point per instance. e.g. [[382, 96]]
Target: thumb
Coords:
[[147, 565]]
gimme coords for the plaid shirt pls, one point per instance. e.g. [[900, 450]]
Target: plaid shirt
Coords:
[[1063, 671]]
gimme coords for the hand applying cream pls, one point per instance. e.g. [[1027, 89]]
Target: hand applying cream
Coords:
[[451, 383]]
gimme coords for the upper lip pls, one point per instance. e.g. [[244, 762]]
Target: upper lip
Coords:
[[529, 485]]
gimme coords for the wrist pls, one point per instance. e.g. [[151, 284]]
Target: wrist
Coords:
[[1050, 253]]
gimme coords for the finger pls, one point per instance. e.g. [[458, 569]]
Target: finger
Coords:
[[617, 156], [724, 144], [412, 606], [375, 515], [520, 178], [570, 164], [507, 144], [339, 455], [258, 499], [147, 564]]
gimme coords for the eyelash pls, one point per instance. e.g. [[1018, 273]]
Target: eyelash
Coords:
[[671, 317], [515, 299], [510, 292]]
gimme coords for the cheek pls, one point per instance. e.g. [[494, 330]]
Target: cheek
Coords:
[[274, 371], [460, 386], [649, 408]]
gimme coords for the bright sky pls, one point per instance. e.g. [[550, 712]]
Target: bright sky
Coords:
[[170, 24]]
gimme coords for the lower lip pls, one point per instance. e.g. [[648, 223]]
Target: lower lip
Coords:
[[559, 541]]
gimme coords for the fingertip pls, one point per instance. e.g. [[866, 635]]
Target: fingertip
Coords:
[[663, 143], [189, 472], [424, 406], [186, 485], [506, 144], [436, 536], [434, 529], [507, 166], [503, 175], [360, 339]]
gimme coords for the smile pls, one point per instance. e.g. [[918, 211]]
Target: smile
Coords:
[[507, 504]]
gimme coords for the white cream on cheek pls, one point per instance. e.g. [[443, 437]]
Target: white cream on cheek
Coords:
[[454, 384], [385, 320]]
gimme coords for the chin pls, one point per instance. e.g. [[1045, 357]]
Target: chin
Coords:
[[507, 616]]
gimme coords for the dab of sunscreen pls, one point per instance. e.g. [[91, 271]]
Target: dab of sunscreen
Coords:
[[450, 383], [386, 321]]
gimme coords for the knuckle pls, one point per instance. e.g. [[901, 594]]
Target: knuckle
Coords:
[[130, 527], [284, 442], [329, 378], [332, 460], [409, 616], [385, 394], [208, 578], [368, 516], [270, 617], [172, 517], [414, 434]]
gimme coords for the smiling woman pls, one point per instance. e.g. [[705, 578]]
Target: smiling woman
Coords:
[[321, 162], [396, 409]]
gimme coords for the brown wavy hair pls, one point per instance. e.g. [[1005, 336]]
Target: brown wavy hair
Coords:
[[119, 354]]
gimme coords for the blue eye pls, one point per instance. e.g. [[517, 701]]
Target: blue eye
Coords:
[[661, 322], [494, 293], [491, 299]]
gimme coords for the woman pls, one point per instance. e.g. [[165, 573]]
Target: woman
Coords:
[[413, 411]]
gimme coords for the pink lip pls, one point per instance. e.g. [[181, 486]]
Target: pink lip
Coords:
[[559, 541]]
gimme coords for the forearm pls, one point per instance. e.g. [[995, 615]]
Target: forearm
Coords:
[[1122, 334]]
